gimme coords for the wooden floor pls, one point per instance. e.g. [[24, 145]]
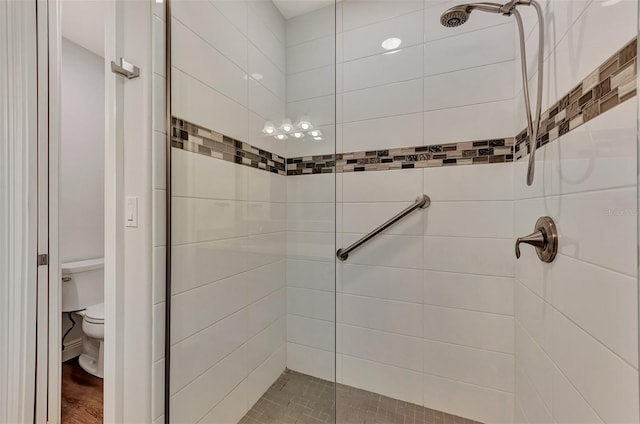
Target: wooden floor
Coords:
[[81, 395]]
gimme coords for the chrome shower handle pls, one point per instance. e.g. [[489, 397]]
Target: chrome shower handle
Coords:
[[544, 239]]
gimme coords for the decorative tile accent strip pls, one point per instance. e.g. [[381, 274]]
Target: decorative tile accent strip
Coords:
[[611, 84], [465, 153], [196, 139], [606, 87]]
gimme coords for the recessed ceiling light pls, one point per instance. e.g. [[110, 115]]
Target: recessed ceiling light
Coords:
[[391, 43]]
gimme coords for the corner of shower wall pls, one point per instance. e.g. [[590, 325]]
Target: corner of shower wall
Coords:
[[311, 195], [228, 296]]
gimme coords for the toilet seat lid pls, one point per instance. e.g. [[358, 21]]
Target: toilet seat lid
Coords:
[[95, 313]]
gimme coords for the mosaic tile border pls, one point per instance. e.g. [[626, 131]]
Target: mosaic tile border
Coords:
[[612, 83], [196, 139], [465, 153]]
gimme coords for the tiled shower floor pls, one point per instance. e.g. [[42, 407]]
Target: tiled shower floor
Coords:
[[302, 399]]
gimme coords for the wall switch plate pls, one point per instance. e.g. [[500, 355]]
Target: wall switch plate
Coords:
[[131, 212]]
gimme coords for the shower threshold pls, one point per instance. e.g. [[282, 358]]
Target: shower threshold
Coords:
[[297, 398]]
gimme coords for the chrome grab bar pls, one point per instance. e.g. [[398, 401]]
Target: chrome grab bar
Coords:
[[423, 201]]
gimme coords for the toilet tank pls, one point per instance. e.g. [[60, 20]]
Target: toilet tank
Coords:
[[82, 284]]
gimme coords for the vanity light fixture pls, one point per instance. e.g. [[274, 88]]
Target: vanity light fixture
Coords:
[[268, 128], [286, 125], [304, 123]]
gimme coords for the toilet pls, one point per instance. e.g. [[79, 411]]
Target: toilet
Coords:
[[83, 294]]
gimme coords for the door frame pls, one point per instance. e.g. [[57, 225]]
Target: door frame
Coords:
[[48, 365]]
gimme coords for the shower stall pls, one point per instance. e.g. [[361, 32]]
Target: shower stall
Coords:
[[345, 185]]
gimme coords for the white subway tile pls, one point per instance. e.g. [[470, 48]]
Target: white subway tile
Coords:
[[366, 41], [386, 68], [475, 366], [468, 400], [232, 408], [381, 282], [469, 255], [262, 37], [382, 133], [387, 380], [609, 384], [310, 84], [385, 315], [378, 102], [311, 274], [311, 55], [449, 125], [595, 227], [382, 186], [469, 219], [469, 182], [206, 20], [483, 84], [316, 304], [194, 401], [194, 56], [202, 105], [315, 362], [470, 49], [360, 13], [195, 355], [469, 328], [379, 346], [469, 291]]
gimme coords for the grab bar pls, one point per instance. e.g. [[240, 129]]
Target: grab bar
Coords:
[[421, 202]]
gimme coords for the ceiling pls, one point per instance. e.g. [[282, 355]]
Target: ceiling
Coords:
[[83, 23], [292, 8]]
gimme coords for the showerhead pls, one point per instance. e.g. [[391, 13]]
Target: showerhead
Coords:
[[459, 14], [455, 16]]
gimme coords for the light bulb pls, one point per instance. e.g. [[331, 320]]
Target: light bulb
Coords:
[[298, 134], [286, 125], [304, 123], [280, 136], [315, 133], [268, 128], [317, 138]]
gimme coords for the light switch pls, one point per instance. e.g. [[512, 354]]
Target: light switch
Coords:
[[131, 212]]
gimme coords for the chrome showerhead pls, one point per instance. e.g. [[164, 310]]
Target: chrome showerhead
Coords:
[[459, 14], [455, 16]]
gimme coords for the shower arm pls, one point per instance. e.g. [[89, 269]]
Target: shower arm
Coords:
[[532, 125]]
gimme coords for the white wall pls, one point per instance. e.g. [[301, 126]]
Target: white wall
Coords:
[[576, 319], [81, 154], [82, 165], [228, 242]]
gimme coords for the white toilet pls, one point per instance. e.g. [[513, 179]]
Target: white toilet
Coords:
[[83, 293]]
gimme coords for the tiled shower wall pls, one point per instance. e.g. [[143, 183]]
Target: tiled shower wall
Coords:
[[425, 313], [576, 319], [228, 297]]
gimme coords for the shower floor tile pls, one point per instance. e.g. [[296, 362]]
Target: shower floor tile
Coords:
[[297, 398]]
